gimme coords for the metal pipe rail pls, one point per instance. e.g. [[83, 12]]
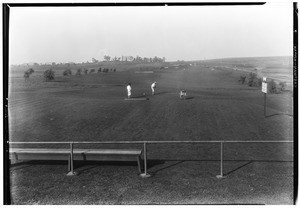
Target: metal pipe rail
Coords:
[[145, 174], [153, 142]]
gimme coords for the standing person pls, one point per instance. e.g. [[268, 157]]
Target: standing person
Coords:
[[153, 86], [128, 90]]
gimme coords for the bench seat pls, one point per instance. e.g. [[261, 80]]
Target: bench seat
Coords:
[[78, 154]]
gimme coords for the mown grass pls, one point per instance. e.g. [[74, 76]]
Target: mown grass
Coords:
[[172, 182], [92, 108]]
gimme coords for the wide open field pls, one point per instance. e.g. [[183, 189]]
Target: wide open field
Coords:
[[92, 108]]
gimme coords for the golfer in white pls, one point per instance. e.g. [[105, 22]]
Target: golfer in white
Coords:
[[153, 87], [129, 90]]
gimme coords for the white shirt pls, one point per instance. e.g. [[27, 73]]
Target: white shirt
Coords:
[[153, 85], [128, 88]]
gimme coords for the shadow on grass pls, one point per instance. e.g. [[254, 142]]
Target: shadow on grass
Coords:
[[139, 96], [160, 93], [189, 98], [30, 163], [169, 166], [88, 165], [232, 171], [248, 162], [55, 81], [84, 165]]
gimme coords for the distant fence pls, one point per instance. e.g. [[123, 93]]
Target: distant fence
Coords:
[[154, 142]]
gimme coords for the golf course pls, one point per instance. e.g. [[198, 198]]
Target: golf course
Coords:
[[218, 107]]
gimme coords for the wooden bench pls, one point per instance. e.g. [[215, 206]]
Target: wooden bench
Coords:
[[78, 154]]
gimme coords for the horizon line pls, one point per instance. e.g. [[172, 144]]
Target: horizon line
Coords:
[[152, 62]]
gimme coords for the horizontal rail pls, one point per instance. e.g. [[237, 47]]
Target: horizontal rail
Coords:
[[153, 142]]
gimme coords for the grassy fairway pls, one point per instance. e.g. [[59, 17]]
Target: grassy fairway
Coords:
[[92, 108]]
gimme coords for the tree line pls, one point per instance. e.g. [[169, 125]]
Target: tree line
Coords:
[[137, 59], [49, 74], [106, 58], [252, 80]]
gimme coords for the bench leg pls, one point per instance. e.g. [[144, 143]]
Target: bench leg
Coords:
[[139, 163], [69, 164], [71, 168]]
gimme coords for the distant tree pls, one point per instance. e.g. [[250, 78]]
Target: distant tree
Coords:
[[94, 60], [85, 71], [272, 86], [145, 59], [92, 71], [78, 73], [242, 79], [259, 81], [26, 75], [130, 58], [30, 71], [67, 72], [138, 59], [115, 70], [282, 86], [99, 70], [253, 80], [107, 58], [49, 75]]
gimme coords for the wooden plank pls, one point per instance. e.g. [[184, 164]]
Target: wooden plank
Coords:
[[109, 151], [77, 151], [39, 156], [84, 157], [100, 157], [33, 150], [79, 154]]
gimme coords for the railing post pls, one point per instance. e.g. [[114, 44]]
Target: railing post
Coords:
[[221, 163], [265, 104], [145, 174], [71, 159]]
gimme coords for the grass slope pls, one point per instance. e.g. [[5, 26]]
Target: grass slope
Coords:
[[92, 108]]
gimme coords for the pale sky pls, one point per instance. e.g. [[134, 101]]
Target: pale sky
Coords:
[[77, 34]]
